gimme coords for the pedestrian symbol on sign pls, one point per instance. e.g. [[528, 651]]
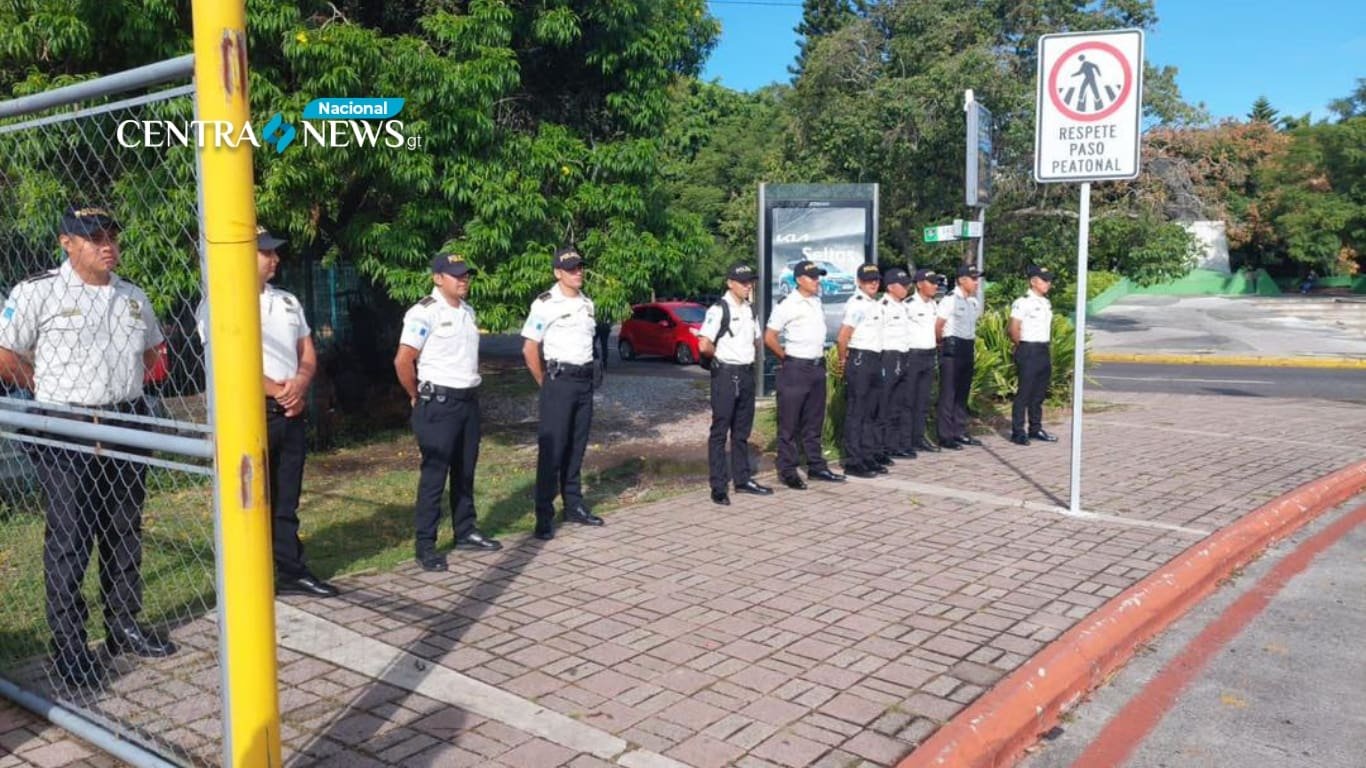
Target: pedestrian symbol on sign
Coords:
[[1083, 89]]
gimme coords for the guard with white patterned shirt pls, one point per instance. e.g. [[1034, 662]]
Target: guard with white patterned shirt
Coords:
[[859, 344], [91, 336], [1031, 326], [558, 351], [438, 366], [956, 328]]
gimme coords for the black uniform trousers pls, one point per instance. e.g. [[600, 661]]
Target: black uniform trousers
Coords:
[[602, 334], [1034, 364], [90, 499], [919, 379], [801, 413], [894, 422], [566, 405], [862, 402], [956, 365], [446, 423], [287, 440], [732, 415]]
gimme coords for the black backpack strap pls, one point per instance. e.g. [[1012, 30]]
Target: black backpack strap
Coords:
[[725, 319]]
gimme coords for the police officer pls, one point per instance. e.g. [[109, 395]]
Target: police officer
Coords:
[[559, 354], [894, 413], [801, 376], [859, 346], [730, 335], [288, 363], [956, 329], [921, 311], [438, 366], [91, 337], [1031, 321]]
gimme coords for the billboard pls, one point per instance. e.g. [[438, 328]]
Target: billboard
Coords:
[[834, 225]]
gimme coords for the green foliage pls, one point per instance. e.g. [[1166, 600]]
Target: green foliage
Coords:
[[1262, 111]]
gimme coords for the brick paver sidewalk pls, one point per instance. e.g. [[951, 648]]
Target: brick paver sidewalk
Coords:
[[837, 626]]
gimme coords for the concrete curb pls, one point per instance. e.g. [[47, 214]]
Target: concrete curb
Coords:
[[1250, 361], [997, 728]]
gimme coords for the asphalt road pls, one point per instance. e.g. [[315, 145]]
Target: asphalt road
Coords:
[[1307, 383], [1267, 671]]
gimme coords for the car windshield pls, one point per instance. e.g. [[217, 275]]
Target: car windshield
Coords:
[[831, 268], [690, 314]]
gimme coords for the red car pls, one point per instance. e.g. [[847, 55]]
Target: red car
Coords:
[[664, 328]]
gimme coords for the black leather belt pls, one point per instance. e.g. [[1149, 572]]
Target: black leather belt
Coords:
[[429, 391], [556, 368], [1033, 343], [922, 352], [819, 361], [737, 366]]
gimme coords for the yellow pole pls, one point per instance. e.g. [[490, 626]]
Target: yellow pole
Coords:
[[246, 593]]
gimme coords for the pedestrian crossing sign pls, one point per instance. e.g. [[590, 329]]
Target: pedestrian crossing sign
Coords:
[[1089, 108]]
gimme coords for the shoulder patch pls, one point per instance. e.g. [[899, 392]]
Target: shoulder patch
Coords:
[[427, 301], [544, 297]]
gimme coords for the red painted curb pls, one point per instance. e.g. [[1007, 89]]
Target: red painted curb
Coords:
[[997, 728]]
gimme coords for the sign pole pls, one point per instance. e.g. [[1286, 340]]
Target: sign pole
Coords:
[[1079, 353]]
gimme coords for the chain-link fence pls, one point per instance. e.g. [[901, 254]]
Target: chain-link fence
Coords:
[[106, 494]]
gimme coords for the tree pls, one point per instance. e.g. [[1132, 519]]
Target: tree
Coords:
[[819, 18], [1352, 105], [540, 122], [1262, 111]]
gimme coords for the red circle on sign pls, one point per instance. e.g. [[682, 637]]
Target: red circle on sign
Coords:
[[1104, 113]]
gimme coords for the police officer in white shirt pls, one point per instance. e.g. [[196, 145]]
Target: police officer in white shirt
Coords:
[[860, 354], [921, 309], [730, 335], [894, 414], [559, 334], [801, 376], [957, 332], [1031, 323], [438, 366], [91, 337], [288, 364]]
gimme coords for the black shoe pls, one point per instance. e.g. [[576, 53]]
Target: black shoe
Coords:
[[1039, 434], [78, 669], [881, 469], [904, 454], [1019, 439], [826, 475], [580, 514], [307, 584], [752, 487], [477, 541], [431, 561], [795, 482], [720, 497], [136, 640], [926, 445], [860, 470], [544, 534], [950, 444], [969, 440], [883, 460]]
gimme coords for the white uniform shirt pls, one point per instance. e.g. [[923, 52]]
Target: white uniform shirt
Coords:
[[564, 326], [737, 346], [447, 341], [864, 315], [87, 341], [922, 313], [960, 314], [1035, 314], [802, 321], [282, 326], [896, 325]]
